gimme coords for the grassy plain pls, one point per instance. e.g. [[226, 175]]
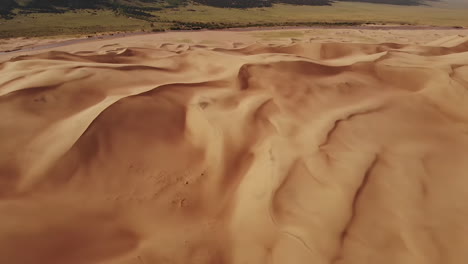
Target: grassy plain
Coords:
[[81, 22]]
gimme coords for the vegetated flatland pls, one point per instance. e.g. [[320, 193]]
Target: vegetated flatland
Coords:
[[79, 22]]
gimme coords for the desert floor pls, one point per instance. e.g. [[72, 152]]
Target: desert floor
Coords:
[[324, 146]]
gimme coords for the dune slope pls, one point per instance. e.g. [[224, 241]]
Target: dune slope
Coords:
[[304, 153]]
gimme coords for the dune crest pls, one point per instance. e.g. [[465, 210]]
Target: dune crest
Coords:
[[304, 153]]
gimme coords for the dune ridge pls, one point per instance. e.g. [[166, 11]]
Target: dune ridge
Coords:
[[301, 153]]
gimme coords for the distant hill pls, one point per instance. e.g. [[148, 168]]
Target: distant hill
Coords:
[[140, 8], [6, 4], [134, 7]]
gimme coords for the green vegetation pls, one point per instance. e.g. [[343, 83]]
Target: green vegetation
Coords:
[[266, 3], [28, 20], [68, 23]]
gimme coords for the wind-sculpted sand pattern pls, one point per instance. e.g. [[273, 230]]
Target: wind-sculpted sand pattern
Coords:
[[324, 153]]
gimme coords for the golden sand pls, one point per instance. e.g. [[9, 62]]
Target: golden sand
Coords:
[[310, 152]]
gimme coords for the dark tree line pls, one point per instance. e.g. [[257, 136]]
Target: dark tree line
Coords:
[[259, 3], [306, 2], [5, 8], [236, 3], [67, 3]]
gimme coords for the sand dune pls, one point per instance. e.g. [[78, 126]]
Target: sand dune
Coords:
[[340, 153]]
